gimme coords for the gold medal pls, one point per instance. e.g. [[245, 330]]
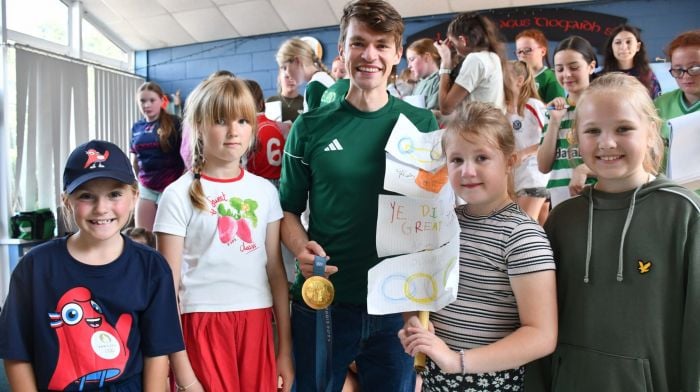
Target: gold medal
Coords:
[[317, 292]]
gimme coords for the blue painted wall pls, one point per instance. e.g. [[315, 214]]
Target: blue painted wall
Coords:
[[183, 67]]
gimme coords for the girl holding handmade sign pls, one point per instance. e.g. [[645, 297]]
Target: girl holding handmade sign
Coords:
[[505, 314]]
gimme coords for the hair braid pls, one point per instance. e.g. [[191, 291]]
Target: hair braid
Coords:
[[196, 192]]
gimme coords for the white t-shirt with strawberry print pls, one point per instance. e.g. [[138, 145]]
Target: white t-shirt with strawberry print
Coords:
[[224, 257]]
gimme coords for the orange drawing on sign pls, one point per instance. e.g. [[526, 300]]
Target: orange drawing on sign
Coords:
[[432, 182]]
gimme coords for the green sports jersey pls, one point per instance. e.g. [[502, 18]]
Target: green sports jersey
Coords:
[[547, 85], [565, 160], [335, 155], [672, 105], [336, 92], [318, 84]]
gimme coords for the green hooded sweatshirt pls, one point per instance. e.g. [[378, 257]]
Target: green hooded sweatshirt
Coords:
[[628, 283]]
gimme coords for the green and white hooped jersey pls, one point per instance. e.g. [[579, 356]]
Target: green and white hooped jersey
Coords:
[[565, 159]]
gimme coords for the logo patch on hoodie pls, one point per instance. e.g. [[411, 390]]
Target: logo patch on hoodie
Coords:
[[644, 267]]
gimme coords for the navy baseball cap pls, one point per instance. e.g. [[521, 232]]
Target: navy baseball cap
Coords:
[[96, 159]]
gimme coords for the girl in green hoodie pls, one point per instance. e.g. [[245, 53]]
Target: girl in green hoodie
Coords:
[[628, 256]]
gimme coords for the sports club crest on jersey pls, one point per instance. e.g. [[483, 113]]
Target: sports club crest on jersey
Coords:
[[517, 124]]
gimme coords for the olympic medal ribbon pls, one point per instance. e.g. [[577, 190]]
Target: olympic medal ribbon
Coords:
[[318, 292]]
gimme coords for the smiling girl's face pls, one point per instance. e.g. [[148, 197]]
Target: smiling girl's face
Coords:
[[478, 172], [573, 71]]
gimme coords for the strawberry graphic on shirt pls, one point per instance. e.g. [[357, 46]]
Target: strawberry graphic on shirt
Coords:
[[234, 216], [227, 227]]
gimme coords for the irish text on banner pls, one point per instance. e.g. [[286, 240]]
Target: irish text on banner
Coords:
[[419, 281], [408, 225]]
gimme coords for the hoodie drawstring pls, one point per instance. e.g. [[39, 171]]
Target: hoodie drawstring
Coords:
[[589, 237], [589, 241], [630, 212]]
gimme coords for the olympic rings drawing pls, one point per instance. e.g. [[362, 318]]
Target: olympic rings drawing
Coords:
[[405, 146], [407, 288], [418, 287]]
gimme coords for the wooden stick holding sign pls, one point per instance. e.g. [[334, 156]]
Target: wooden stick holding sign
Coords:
[[419, 359]]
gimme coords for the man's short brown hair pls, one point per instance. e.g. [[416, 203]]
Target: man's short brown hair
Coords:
[[379, 15]]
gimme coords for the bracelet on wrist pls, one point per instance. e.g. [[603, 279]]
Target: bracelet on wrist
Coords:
[[461, 361], [181, 388], [444, 71]]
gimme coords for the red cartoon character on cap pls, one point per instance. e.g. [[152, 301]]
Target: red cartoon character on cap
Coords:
[[95, 158], [90, 350]]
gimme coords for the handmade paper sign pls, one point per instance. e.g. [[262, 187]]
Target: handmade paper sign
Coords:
[[412, 147], [411, 181], [420, 281], [408, 225], [684, 150]]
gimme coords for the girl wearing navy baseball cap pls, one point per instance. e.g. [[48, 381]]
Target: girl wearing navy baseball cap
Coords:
[[92, 310]]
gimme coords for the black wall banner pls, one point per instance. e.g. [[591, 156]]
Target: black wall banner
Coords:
[[555, 23]]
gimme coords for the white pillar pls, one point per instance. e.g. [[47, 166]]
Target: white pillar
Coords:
[[75, 29]]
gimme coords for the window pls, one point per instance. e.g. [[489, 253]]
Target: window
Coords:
[[46, 19], [96, 42]]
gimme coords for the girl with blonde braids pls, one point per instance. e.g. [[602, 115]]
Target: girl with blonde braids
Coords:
[[299, 61], [218, 228]]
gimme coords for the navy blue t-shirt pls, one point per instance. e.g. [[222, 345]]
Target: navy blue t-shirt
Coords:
[[82, 326], [157, 168]]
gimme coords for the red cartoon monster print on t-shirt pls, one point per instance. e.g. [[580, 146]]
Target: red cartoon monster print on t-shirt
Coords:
[[90, 350]]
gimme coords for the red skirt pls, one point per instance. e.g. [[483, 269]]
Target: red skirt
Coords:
[[232, 351]]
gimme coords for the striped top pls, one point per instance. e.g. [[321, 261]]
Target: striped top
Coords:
[[492, 249], [565, 160]]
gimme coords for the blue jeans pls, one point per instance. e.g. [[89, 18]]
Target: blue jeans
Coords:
[[371, 341]]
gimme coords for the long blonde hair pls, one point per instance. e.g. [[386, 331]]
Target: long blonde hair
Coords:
[[219, 99], [296, 48], [474, 120], [636, 95], [527, 90]]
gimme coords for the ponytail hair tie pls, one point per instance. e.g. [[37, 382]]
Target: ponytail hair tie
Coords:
[[197, 176]]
